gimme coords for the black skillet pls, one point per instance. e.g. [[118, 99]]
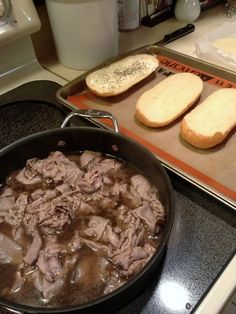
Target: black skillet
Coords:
[[72, 139]]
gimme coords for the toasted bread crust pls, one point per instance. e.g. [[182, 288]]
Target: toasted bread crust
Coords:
[[212, 120], [199, 140], [121, 75], [168, 100], [154, 124]]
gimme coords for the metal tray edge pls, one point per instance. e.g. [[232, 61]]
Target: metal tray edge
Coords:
[[79, 82]]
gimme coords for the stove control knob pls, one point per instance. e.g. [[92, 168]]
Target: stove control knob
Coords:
[[5, 9]]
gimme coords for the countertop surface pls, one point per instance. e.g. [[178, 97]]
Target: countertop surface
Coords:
[[128, 41]]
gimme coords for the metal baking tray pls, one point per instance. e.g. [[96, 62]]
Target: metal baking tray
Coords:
[[212, 170]]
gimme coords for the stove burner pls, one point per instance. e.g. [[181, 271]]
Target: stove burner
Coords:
[[23, 118], [30, 108]]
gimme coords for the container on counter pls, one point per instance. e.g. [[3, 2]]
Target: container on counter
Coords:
[[85, 32], [129, 14]]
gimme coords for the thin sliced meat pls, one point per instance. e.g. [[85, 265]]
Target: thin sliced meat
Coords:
[[50, 289], [140, 185], [33, 251], [97, 226], [147, 216], [10, 251], [86, 157], [7, 202]]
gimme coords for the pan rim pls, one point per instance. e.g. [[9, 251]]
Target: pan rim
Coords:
[[148, 266]]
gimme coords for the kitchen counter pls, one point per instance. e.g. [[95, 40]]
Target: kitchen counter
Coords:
[[208, 20]]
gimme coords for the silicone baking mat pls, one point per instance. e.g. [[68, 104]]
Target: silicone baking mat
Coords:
[[213, 169]]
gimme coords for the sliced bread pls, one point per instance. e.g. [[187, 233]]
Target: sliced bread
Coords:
[[119, 76], [169, 99], [209, 123]]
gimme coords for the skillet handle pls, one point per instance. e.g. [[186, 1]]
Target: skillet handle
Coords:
[[91, 113], [7, 310]]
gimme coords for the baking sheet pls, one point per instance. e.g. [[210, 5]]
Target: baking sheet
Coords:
[[214, 170]]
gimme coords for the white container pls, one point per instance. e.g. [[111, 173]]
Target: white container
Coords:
[[187, 10], [85, 31], [129, 14]]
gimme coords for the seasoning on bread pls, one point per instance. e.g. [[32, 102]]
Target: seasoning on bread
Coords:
[[119, 76], [209, 123], [169, 99]]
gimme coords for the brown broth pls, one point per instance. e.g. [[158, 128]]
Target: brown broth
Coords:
[[91, 270]]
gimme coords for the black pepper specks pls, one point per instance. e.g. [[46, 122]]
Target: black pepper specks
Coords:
[[121, 75]]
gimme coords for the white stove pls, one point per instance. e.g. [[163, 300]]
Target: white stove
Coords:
[[19, 65], [18, 62], [221, 298]]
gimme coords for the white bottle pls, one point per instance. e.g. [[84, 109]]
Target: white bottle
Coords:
[[187, 10], [129, 14]]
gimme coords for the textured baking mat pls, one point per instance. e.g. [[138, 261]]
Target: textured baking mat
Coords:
[[214, 169]]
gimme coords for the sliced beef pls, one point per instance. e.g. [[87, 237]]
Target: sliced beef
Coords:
[[140, 185], [130, 249], [130, 200], [63, 188], [96, 227], [85, 209], [91, 182], [97, 247], [56, 169], [7, 202], [88, 156], [111, 237], [145, 213], [50, 289], [44, 195], [38, 193], [10, 251], [100, 230], [97, 170], [12, 208], [7, 191], [158, 210], [28, 176], [118, 188], [50, 216], [47, 288], [33, 251], [84, 223], [51, 273], [127, 257], [108, 164], [49, 262], [38, 280], [18, 233]]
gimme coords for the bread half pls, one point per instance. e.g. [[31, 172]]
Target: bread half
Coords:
[[209, 123], [119, 76], [169, 99]]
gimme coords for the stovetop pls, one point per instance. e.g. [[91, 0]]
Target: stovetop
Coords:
[[202, 240]]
